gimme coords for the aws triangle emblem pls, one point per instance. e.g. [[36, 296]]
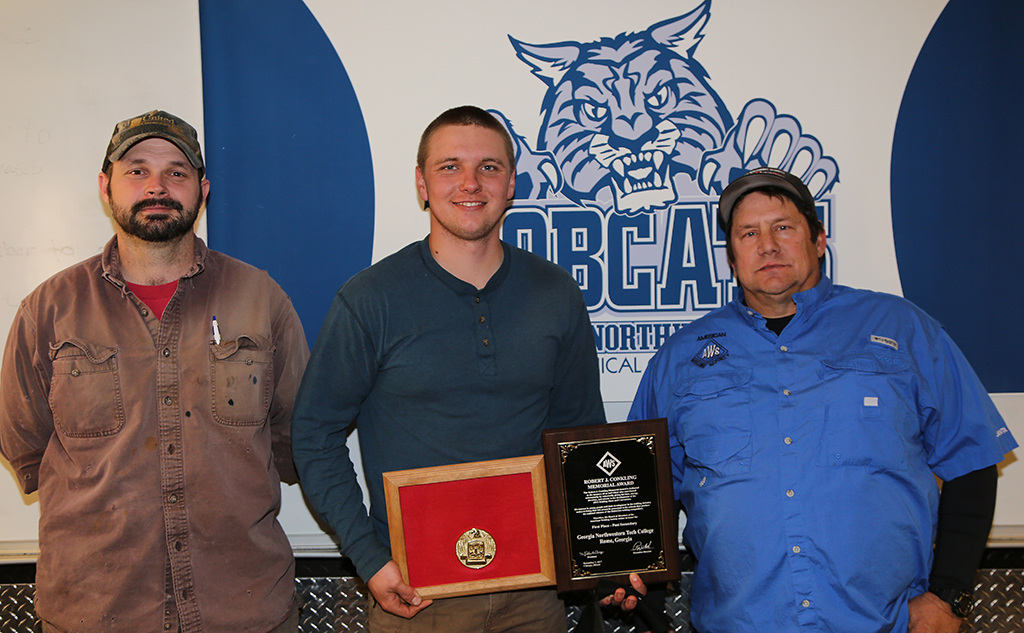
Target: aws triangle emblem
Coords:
[[711, 353]]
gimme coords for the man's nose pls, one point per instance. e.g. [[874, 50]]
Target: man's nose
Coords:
[[470, 181], [767, 242], [155, 186]]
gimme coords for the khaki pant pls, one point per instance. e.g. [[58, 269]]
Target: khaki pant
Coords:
[[526, 611]]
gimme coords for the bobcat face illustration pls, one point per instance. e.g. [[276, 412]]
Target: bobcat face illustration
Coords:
[[628, 118]]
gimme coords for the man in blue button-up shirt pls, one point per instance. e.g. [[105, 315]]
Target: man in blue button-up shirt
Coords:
[[807, 420]]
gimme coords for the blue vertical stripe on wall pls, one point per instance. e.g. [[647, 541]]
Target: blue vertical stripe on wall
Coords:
[[287, 151], [957, 165]]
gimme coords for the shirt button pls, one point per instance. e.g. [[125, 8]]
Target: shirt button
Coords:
[[248, 361], [75, 372], [486, 342], [173, 498], [788, 440], [796, 549], [787, 392], [805, 603], [167, 352], [482, 319], [145, 312], [790, 493], [784, 348], [168, 401], [478, 299]]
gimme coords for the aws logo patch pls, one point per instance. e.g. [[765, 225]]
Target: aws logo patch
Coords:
[[711, 353]]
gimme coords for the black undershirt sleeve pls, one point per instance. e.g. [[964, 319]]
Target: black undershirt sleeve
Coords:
[[966, 507]]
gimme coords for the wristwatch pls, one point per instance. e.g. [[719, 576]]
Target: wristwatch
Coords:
[[961, 601]]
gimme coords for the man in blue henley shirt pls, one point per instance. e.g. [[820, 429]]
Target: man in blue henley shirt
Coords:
[[459, 348], [806, 421]]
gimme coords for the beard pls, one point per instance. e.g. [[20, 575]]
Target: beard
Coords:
[[161, 228]]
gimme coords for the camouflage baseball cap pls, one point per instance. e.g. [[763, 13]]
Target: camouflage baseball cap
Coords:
[[157, 124]]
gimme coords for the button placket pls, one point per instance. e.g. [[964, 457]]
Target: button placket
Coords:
[[482, 325]]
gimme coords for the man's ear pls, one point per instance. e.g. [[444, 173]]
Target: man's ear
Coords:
[[421, 185], [104, 182]]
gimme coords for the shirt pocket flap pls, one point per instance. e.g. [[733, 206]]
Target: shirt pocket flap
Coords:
[[711, 386], [227, 349], [96, 354], [711, 451], [867, 363]]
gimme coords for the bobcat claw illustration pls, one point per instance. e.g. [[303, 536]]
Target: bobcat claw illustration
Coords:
[[764, 138]]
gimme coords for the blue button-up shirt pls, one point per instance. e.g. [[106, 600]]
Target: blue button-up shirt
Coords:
[[805, 461]]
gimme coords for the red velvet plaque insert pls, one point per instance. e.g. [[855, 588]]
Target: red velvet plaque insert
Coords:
[[430, 509], [435, 516]]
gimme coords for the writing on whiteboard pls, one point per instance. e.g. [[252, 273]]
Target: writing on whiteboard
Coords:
[[59, 253], [25, 135]]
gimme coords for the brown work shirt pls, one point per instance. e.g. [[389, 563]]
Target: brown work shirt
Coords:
[[156, 451]]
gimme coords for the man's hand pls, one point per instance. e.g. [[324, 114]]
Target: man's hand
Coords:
[[931, 614], [393, 595], [619, 598]]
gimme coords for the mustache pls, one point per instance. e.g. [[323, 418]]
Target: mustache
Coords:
[[157, 202]]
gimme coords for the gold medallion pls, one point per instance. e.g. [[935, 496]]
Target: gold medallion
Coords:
[[475, 548]]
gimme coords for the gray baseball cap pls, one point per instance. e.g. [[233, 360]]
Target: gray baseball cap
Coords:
[[759, 179]]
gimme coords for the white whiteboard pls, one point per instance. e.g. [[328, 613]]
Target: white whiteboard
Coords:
[[71, 70]]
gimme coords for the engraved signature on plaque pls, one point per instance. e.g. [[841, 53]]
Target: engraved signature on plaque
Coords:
[[475, 548]]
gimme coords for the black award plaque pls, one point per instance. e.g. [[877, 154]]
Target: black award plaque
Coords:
[[610, 490]]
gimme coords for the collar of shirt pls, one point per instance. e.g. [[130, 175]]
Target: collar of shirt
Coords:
[[111, 262], [807, 303]]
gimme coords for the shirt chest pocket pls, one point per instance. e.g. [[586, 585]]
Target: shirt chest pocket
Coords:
[[85, 390], [724, 455], [241, 372], [867, 420], [714, 414]]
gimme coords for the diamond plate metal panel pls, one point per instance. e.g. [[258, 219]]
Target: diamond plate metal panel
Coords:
[[998, 602], [17, 613], [331, 605], [338, 605], [677, 606]]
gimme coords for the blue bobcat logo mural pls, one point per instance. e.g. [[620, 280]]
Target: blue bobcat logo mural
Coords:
[[622, 184], [632, 123]]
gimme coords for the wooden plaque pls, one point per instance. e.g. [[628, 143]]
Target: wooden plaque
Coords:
[[471, 528], [610, 490]]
